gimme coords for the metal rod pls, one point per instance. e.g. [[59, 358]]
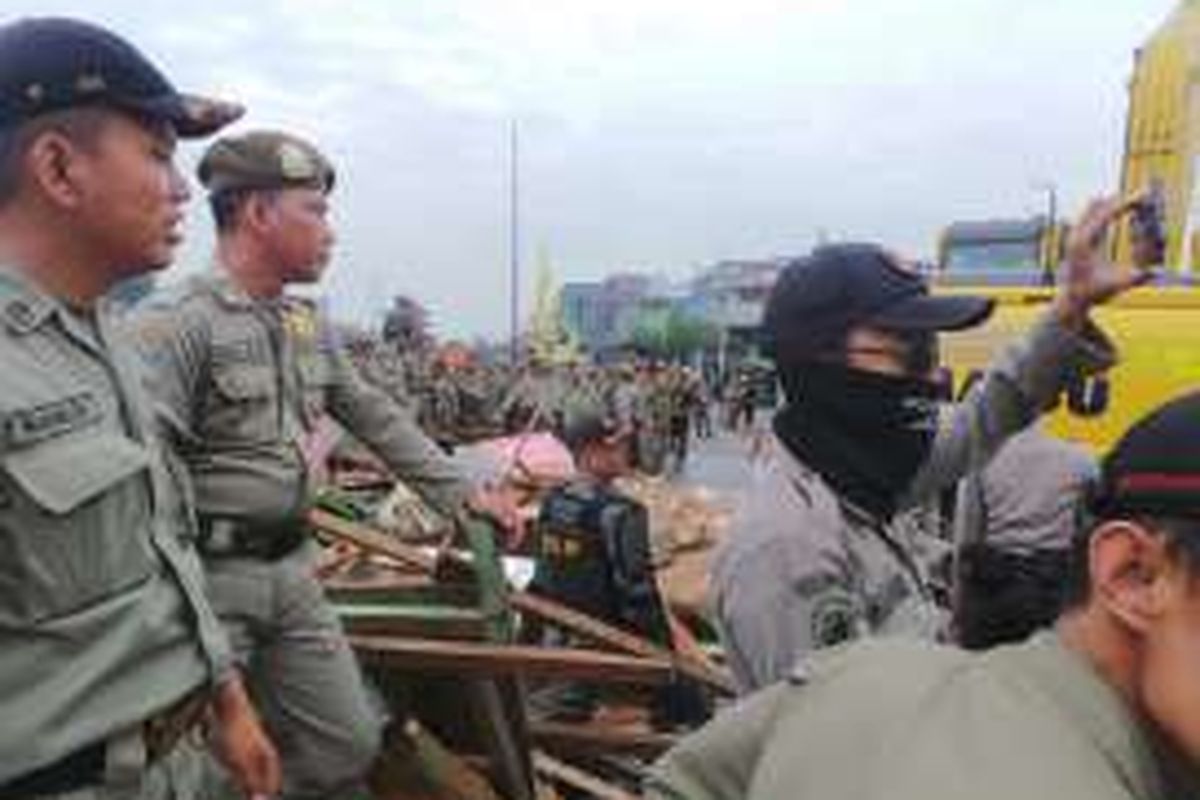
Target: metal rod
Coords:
[[514, 243]]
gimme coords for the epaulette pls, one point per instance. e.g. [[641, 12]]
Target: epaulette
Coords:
[[301, 316], [173, 295]]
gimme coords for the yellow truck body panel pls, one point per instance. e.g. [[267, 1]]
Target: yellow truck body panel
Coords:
[[1162, 135], [1157, 331]]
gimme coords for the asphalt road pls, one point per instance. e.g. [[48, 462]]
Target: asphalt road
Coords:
[[722, 463]]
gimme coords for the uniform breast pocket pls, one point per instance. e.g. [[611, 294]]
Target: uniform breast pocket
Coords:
[[244, 404], [74, 526]]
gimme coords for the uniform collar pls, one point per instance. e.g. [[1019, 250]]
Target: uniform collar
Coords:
[[23, 307], [233, 296], [1073, 685], [227, 291]]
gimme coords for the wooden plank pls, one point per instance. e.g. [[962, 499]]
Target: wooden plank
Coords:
[[474, 658], [550, 767], [371, 540], [385, 584], [402, 593], [421, 621], [590, 738], [585, 625], [600, 632], [569, 619]]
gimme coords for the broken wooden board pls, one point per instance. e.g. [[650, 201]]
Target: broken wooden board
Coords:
[[475, 658], [551, 768], [588, 627], [589, 737]]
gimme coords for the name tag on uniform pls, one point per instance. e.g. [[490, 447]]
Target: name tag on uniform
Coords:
[[25, 426], [238, 351]]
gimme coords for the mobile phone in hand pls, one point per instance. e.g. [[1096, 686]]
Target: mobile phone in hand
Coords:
[[1148, 229]]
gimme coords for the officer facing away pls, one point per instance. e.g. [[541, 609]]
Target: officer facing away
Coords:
[[594, 541], [594, 554], [109, 652], [1104, 707], [245, 374], [819, 552], [1013, 525]]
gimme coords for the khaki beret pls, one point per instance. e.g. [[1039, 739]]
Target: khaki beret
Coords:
[[264, 160]]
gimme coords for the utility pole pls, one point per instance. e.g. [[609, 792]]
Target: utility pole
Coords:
[[1051, 246], [514, 243]]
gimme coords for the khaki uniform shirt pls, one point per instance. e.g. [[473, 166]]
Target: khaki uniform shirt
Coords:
[[243, 383], [384, 370], [103, 619], [901, 720], [1025, 500], [803, 569]]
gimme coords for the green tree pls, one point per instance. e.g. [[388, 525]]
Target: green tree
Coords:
[[671, 333]]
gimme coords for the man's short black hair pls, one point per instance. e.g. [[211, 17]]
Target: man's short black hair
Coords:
[[227, 205], [81, 125]]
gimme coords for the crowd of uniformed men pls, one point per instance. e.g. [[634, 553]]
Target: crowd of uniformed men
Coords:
[[157, 573], [663, 405]]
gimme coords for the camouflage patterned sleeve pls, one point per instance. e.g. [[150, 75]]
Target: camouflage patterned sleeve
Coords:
[[383, 425]]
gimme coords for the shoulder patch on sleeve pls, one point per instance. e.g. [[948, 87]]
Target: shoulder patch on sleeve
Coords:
[[834, 618], [301, 320], [24, 426], [151, 331]]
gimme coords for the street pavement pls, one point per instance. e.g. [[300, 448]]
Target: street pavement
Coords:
[[722, 463]]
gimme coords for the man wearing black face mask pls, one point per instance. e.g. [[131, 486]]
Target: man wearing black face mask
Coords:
[[820, 553]]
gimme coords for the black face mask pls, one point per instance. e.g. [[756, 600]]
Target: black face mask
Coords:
[[864, 433]]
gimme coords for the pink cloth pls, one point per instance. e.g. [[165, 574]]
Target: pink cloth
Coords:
[[535, 457]]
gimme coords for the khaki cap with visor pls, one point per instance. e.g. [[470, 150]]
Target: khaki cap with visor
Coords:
[[264, 160]]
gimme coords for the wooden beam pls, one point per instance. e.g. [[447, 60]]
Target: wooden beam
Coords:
[[550, 767], [419, 621], [474, 658], [569, 619], [600, 632], [589, 738], [371, 540]]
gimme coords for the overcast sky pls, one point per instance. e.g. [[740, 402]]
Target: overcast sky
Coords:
[[657, 135]]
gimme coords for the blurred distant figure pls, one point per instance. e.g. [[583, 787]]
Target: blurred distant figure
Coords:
[[699, 402]]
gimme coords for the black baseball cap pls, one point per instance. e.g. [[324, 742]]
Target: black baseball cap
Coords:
[[590, 427], [820, 297], [53, 63], [1155, 468]]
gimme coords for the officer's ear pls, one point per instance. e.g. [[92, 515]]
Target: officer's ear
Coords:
[[59, 162], [259, 211], [1132, 572]]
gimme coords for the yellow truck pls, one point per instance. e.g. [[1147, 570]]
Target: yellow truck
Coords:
[[1157, 328]]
